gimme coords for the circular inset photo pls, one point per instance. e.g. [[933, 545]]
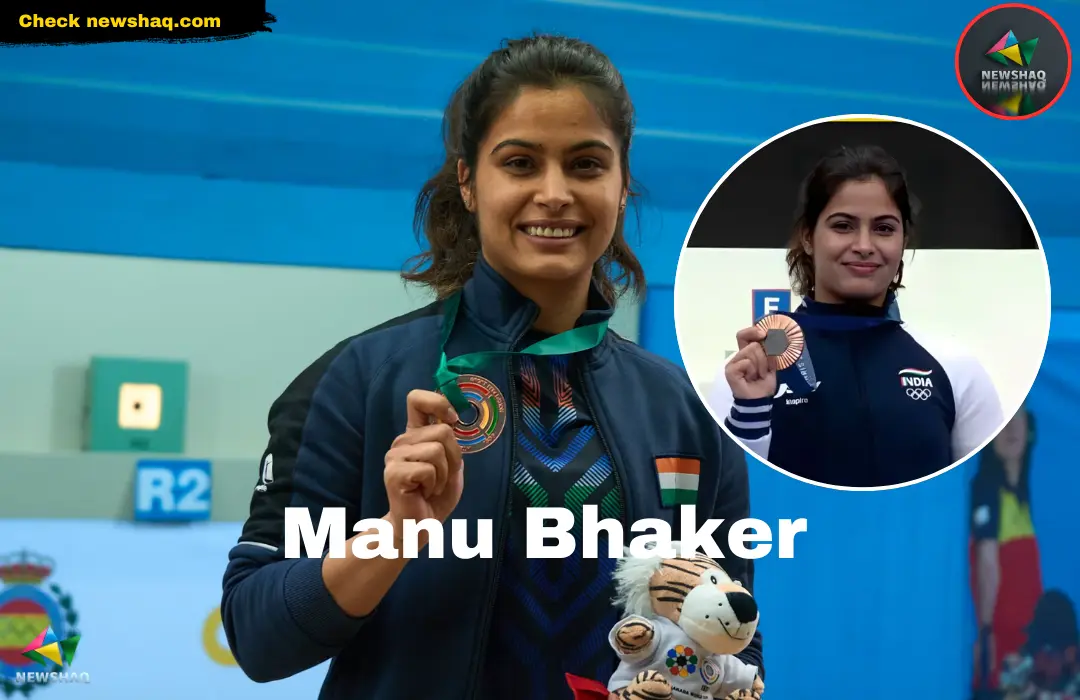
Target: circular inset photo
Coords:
[[862, 301]]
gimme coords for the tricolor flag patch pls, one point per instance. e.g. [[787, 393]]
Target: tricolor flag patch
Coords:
[[678, 480]]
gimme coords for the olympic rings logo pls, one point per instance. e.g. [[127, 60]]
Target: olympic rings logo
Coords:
[[918, 394]]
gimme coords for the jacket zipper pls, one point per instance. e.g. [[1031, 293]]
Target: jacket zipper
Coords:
[[627, 506], [863, 403], [502, 533], [500, 539]]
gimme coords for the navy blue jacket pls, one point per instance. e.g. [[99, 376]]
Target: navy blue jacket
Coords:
[[329, 433], [889, 405]]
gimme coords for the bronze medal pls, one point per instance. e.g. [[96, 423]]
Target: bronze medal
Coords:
[[487, 415], [783, 339]]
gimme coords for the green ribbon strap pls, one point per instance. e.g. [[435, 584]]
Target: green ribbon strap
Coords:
[[446, 376]]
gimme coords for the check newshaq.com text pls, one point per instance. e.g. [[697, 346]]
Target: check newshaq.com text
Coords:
[[550, 535]]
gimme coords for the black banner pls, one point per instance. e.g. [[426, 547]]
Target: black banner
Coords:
[[51, 23], [963, 204]]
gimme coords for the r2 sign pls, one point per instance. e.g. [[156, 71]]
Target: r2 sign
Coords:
[[172, 490]]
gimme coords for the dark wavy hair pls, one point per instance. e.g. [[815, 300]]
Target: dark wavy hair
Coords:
[[992, 468], [441, 218], [831, 172]]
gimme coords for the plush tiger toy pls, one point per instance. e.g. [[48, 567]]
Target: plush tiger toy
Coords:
[[685, 620]]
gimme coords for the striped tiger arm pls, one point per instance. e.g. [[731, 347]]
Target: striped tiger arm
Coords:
[[647, 685], [755, 692], [634, 638], [744, 695]]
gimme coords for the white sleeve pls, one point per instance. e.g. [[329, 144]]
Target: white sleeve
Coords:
[[749, 422], [978, 408]]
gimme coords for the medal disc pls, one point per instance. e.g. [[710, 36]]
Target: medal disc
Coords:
[[485, 421], [783, 339]]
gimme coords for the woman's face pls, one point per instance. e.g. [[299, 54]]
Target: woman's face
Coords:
[[1012, 440], [548, 189], [857, 244]]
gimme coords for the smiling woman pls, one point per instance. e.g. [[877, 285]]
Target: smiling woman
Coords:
[[537, 176], [508, 393], [852, 192], [549, 205], [826, 380]]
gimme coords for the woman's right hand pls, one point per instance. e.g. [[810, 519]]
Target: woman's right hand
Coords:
[[423, 479], [423, 475], [751, 373]]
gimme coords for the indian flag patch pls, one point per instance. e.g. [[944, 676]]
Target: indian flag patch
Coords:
[[678, 480]]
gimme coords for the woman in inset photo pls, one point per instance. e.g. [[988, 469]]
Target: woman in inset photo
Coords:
[[842, 391]]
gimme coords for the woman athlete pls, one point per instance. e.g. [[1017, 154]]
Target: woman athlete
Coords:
[[506, 393], [870, 401]]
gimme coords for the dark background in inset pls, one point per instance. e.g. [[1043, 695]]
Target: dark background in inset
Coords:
[[963, 204], [1050, 54]]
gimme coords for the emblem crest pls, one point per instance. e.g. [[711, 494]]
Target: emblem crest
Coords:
[[28, 607]]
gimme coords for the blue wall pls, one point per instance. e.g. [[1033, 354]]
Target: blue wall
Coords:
[[341, 103]]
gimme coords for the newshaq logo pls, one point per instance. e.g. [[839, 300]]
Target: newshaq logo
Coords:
[[52, 677], [1010, 52], [1013, 80], [49, 650]]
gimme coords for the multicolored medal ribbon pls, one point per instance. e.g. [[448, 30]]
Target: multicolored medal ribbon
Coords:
[[446, 376]]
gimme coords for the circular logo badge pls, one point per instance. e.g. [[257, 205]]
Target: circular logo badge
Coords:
[[487, 415], [710, 672], [1013, 61]]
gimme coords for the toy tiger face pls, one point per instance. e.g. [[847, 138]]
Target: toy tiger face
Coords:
[[697, 594], [694, 592]]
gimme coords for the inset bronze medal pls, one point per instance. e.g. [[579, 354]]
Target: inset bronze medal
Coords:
[[783, 339]]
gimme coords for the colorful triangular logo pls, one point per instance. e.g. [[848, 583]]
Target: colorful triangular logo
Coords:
[[1007, 50], [48, 647]]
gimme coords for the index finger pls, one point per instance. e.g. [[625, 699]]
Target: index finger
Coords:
[[753, 334], [423, 406]]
